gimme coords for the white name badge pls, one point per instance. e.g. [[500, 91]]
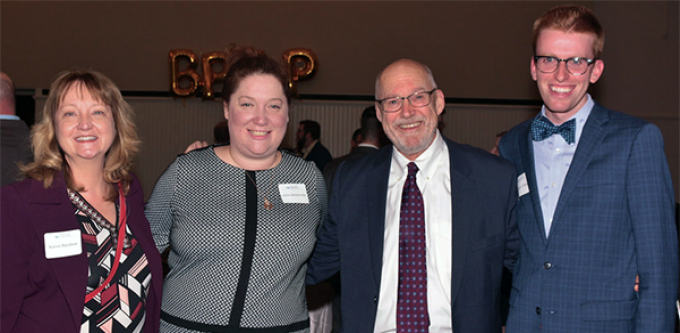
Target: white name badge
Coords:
[[293, 193], [522, 186], [62, 244]]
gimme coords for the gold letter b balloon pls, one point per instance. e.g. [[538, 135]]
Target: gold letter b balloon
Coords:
[[177, 76]]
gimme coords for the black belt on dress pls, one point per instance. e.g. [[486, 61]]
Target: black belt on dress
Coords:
[[231, 329]]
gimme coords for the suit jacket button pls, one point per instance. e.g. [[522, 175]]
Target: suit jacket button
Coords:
[[547, 265], [538, 311], [375, 299]]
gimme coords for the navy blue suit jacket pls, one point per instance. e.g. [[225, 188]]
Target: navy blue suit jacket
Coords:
[[332, 167], [319, 155], [484, 236], [614, 220], [48, 295]]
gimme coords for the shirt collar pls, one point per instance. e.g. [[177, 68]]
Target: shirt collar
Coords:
[[581, 116], [426, 162], [367, 145], [9, 117], [305, 151]]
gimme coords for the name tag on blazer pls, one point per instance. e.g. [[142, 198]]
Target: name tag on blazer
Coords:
[[293, 193], [62, 244], [522, 185]]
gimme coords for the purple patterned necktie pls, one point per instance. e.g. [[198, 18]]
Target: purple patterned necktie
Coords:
[[412, 313]]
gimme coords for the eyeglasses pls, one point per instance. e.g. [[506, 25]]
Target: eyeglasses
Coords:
[[417, 99], [575, 65]]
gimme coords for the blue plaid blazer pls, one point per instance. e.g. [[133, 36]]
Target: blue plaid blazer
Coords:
[[614, 220]]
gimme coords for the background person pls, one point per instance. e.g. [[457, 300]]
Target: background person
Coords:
[[221, 133], [373, 138], [240, 219], [14, 134], [596, 198], [494, 150], [62, 227], [356, 139], [310, 147]]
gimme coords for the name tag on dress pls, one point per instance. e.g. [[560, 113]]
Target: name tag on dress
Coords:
[[293, 193], [62, 244]]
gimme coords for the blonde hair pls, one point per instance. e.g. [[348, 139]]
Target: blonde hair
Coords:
[[48, 156]]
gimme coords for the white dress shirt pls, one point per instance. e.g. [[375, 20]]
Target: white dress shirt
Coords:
[[363, 144], [552, 158], [434, 182]]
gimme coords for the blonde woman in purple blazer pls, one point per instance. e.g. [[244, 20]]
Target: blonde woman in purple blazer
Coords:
[[77, 252]]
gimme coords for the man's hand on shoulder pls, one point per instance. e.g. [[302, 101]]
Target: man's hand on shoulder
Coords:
[[196, 145]]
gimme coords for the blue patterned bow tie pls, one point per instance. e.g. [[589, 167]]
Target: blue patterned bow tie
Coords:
[[542, 129]]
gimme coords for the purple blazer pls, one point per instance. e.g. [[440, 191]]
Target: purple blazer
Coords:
[[48, 295]]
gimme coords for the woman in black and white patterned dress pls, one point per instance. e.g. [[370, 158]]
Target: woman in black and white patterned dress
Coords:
[[240, 219]]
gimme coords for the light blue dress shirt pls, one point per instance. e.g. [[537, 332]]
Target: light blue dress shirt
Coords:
[[552, 158]]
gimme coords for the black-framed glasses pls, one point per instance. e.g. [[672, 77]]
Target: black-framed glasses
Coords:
[[417, 99], [575, 65]]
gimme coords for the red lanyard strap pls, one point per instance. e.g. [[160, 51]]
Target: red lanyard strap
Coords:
[[119, 247]]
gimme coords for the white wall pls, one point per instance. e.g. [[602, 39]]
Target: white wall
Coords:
[[475, 49]]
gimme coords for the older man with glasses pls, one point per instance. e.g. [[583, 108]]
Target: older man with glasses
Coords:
[[420, 230]]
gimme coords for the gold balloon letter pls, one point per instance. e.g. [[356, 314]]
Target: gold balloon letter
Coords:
[[210, 59], [302, 64], [189, 74]]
